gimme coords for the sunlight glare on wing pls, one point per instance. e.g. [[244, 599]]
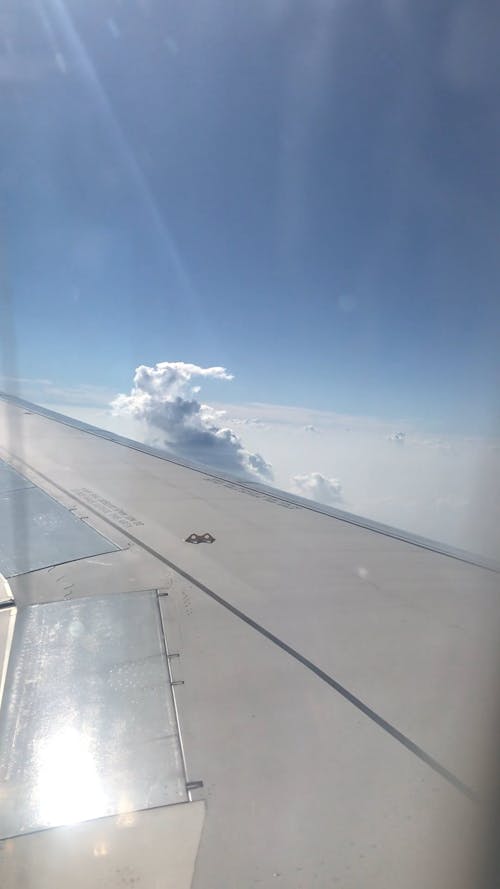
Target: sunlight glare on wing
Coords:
[[68, 789]]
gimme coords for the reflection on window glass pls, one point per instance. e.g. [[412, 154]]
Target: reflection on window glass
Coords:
[[263, 238]]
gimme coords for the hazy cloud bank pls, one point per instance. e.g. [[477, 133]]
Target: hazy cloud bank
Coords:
[[441, 486]]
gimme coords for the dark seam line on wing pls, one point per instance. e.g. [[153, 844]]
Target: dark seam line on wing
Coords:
[[344, 692]]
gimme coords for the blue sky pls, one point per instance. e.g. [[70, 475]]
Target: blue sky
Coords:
[[303, 192]]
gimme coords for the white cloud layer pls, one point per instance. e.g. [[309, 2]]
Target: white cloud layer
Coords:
[[164, 398], [443, 487], [318, 487]]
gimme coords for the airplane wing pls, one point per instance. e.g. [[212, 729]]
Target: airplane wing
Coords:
[[211, 684]]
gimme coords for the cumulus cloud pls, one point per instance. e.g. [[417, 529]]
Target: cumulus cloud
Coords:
[[164, 397], [318, 487]]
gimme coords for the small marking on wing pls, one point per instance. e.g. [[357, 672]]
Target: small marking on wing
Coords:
[[200, 538]]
